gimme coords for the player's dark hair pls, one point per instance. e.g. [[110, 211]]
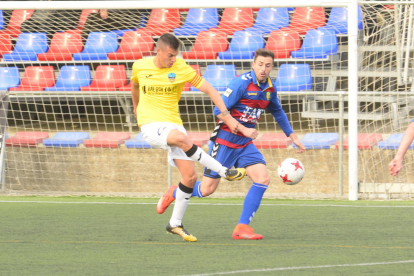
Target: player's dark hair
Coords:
[[169, 40], [263, 53]]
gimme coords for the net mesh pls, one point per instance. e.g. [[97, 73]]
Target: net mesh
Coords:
[[68, 71]]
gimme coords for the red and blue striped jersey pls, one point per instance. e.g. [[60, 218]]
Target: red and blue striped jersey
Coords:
[[246, 99]]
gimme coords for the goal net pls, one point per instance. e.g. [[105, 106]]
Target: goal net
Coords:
[[69, 126]]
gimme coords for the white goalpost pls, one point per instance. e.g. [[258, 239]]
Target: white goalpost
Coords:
[[354, 92]]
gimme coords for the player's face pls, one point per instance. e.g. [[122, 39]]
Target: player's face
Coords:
[[262, 67], [166, 56]]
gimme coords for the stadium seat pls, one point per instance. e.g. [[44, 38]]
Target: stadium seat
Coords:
[[283, 42], [27, 47], [199, 138], [137, 142], [9, 77], [307, 18], [294, 77], [107, 78], [338, 20], [318, 43], [270, 19], [393, 142], [27, 139], [36, 78], [6, 45], [163, 21], [272, 141], [242, 45], [1, 19], [16, 20], [134, 45], [207, 45], [235, 19], [107, 140], [219, 76], [72, 78], [62, 46], [83, 17], [187, 85], [97, 46], [319, 140], [198, 20], [365, 140], [66, 139]]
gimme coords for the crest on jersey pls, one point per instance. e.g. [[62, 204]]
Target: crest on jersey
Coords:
[[268, 96], [227, 92], [171, 77]]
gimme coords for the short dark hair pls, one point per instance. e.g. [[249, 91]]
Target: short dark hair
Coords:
[[169, 40], [263, 53]]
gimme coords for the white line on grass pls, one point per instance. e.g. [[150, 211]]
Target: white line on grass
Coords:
[[209, 204], [301, 267]]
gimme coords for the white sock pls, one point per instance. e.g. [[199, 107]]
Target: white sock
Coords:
[[200, 156], [182, 198]]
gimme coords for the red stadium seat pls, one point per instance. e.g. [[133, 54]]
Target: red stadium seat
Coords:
[[26, 139], [126, 87], [199, 138], [134, 45], [272, 141], [235, 19], [16, 20], [62, 46], [36, 78], [187, 85], [5, 44], [306, 18], [365, 140], [83, 17], [107, 78], [282, 42], [107, 140], [207, 45], [163, 21]]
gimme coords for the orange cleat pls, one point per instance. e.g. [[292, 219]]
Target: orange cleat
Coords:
[[245, 232], [166, 199]]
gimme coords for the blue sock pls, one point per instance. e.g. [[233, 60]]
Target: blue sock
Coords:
[[252, 202], [196, 190]]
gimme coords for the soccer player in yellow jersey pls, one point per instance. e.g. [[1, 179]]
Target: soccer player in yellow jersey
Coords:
[[156, 90]]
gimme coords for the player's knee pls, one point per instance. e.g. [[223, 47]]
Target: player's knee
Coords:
[[206, 191], [183, 142], [190, 178], [263, 179]]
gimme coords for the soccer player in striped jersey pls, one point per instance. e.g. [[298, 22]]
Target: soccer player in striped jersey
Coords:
[[157, 85], [396, 164], [247, 96]]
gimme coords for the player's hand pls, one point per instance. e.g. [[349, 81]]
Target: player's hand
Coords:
[[301, 147], [249, 132], [395, 166], [104, 14]]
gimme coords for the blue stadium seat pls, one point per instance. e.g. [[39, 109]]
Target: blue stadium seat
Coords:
[[270, 19], [243, 45], [72, 78], [318, 140], [9, 77], [27, 47], [97, 46], [318, 43], [393, 142], [198, 20], [1, 20], [338, 20], [137, 143], [294, 77], [219, 76], [66, 139]]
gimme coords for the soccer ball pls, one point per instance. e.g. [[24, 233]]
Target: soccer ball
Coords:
[[291, 171]]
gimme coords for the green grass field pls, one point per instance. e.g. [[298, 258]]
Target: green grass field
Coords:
[[116, 236]]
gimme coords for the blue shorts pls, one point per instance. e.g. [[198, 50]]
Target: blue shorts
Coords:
[[229, 157]]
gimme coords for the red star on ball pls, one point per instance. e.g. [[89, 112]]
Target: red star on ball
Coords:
[[297, 166], [285, 178]]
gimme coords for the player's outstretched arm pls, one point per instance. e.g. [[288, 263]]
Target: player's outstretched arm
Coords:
[[396, 164], [297, 142]]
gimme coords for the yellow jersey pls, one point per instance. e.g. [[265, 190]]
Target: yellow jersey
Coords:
[[160, 89]]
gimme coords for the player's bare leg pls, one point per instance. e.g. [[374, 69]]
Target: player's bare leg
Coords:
[[260, 177]]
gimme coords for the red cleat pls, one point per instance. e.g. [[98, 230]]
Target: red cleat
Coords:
[[245, 232], [166, 199]]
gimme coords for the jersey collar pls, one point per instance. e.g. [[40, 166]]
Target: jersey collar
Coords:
[[256, 82]]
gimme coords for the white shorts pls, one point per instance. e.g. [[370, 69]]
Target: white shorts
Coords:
[[156, 134]]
